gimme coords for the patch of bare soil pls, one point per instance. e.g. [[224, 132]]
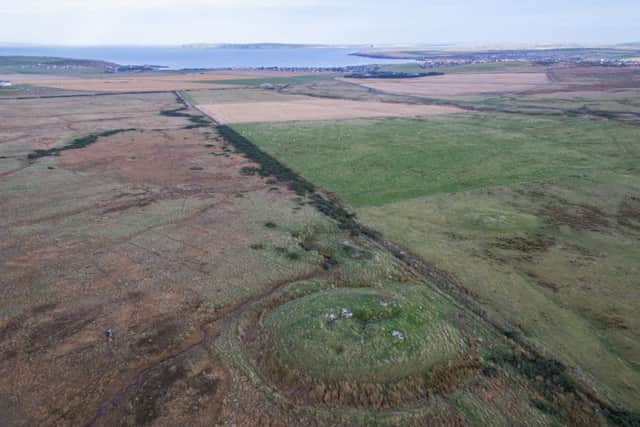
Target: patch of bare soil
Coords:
[[187, 391], [518, 248], [536, 243], [61, 357], [543, 282], [629, 213], [578, 217], [607, 319]]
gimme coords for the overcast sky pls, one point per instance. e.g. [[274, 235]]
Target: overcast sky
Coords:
[[476, 22]]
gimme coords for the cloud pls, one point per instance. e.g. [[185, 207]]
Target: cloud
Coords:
[[317, 21], [46, 7]]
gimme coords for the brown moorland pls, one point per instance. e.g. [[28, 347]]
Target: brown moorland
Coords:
[[149, 233]]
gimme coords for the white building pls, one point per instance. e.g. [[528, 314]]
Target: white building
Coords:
[[4, 83]]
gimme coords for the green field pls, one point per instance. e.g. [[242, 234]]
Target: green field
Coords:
[[373, 162], [620, 102], [558, 259], [362, 348], [272, 80], [536, 216], [456, 69], [232, 95]]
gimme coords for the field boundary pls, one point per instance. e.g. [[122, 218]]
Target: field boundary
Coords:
[[533, 110], [81, 95]]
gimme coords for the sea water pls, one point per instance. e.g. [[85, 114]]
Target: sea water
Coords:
[[175, 57]]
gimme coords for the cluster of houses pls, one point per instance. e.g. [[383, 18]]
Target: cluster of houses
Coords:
[[113, 69], [344, 69], [5, 83]]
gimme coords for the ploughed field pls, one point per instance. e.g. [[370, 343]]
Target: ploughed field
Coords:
[[358, 257], [461, 84], [251, 105]]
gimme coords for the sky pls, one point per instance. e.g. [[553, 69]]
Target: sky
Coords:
[[468, 22]]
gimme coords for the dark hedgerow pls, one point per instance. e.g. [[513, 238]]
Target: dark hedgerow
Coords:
[[293, 256], [249, 170], [556, 378], [532, 366], [75, 144], [270, 167], [198, 120]]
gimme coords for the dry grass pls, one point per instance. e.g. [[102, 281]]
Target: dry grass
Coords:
[[31, 124], [459, 84], [142, 82], [147, 233], [558, 260], [317, 109], [239, 95]]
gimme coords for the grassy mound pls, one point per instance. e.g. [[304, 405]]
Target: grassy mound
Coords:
[[364, 335]]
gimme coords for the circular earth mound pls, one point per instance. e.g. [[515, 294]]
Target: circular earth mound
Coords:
[[364, 335]]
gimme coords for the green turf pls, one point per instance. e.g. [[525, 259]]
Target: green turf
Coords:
[[373, 162], [558, 259], [362, 348], [273, 80]]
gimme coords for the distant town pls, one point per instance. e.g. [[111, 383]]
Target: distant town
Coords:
[[617, 57]]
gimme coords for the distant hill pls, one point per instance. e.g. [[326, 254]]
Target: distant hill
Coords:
[[246, 45], [268, 46], [55, 65], [44, 61]]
